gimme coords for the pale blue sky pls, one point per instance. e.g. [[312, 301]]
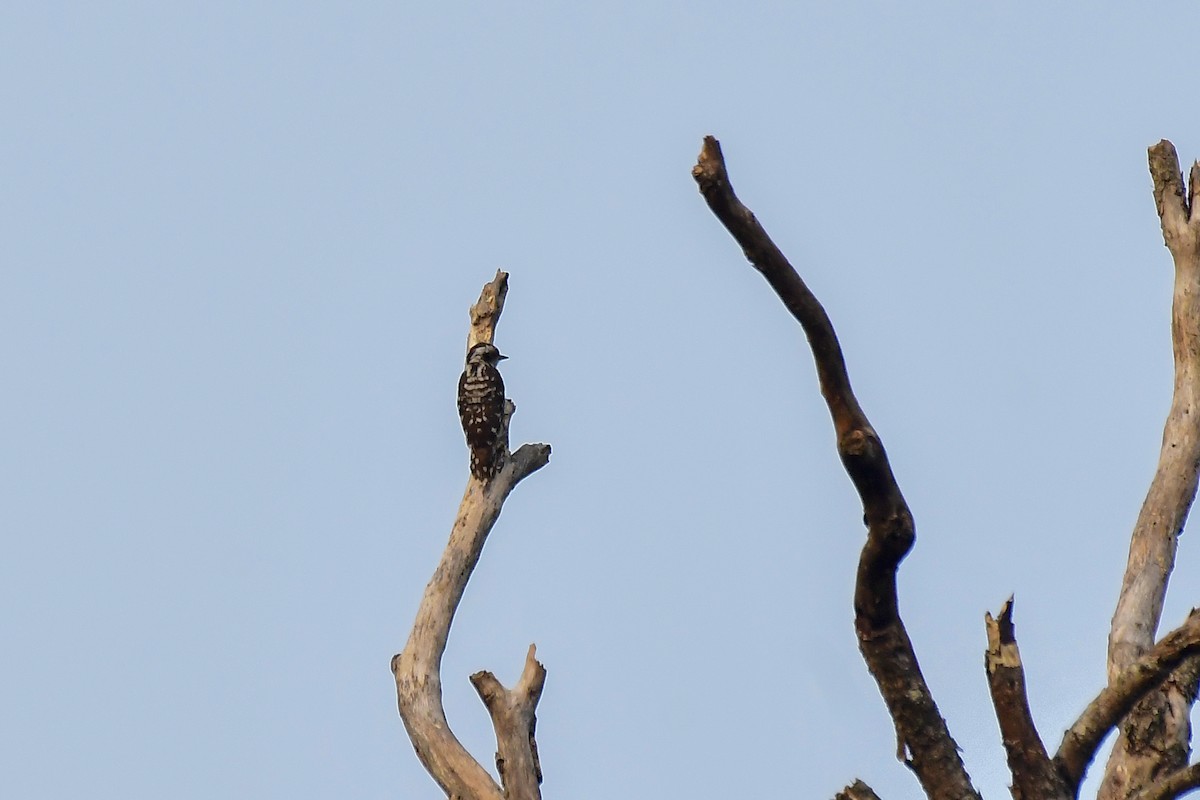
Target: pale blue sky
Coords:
[[239, 245]]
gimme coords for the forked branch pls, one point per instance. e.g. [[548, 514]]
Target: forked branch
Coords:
[[923, 740], [515, 724], [418, 667], [857, 791], [1034, 774], [1081, 740], [1154, 740]]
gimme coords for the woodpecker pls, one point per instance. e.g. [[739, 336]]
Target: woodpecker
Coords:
[[481, 409]]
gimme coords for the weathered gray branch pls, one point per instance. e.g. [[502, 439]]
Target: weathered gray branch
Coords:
[[923, 740], [1155, 739], [1115, 701], [485, 314], [417, 668], [515, 724]]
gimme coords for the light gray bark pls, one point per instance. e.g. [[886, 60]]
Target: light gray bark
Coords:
[[1154, 741], [417, 668]]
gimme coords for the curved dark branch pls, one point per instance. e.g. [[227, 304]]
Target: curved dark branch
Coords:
[[1174, 785], [1081, 740], [924, 741]]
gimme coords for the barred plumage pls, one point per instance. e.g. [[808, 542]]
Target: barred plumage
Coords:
[[481, 409]]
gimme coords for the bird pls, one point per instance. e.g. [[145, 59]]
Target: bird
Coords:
[[481, 409]]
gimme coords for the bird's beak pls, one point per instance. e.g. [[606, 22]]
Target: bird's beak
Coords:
[[501, 358]]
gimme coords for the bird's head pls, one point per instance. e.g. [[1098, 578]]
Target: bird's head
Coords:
[[484, 353]]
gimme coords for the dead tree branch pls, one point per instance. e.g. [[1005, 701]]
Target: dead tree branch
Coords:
[[1174, 785], [923, 740], [1082, 739], [1034, 775], [515, 724], [1155, 740], [417, 668], [857, 791], [485, 314]]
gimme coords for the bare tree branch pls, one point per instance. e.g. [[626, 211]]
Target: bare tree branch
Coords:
[[1034, 775], [856, 791], [1155, 739], [515, 723], [1081, 740], [923, 740], [485, 314], [418, 667], [1174, 785]]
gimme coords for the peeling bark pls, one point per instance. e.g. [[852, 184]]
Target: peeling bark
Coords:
[[1034, 775], [923, 740], [1154, 741], [417, 668]]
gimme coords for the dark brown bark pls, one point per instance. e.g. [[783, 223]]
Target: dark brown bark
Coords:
[[1034, 776], [923, 740], [1173, 785], [1154, 741]]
